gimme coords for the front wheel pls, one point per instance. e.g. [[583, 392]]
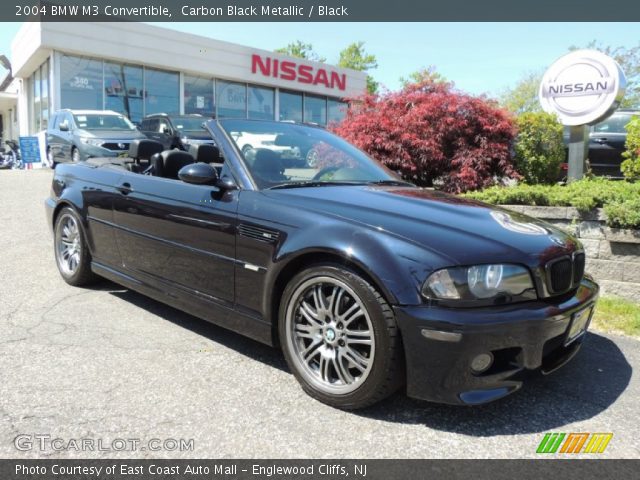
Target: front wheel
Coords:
[[72, 253], [51, 163], [75, 155], [340, 338]]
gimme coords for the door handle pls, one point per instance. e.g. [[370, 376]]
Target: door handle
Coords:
[[600, 140], [125, 188]]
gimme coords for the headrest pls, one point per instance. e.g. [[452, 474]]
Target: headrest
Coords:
[[173, 161], [206, 153], [143, 149]]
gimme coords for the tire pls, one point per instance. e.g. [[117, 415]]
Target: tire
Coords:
[[312, 158], [327, 315], [52, 163], [75, 155], [71, 251]]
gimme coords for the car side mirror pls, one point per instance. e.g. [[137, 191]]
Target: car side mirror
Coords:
[[166, 131], [199, 174], [226, 183], [64, 127]]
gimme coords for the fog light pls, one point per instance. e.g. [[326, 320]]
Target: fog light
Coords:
[[481, 362]]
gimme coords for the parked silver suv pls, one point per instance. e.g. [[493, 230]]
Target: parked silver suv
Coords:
[[75, 135]]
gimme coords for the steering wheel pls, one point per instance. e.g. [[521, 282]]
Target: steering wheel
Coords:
[[326, 170]]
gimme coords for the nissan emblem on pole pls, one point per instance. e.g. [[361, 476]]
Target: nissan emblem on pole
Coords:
[[582, 88]]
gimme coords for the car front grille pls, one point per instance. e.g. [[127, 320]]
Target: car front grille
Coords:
[[119, 146], [565, 273]]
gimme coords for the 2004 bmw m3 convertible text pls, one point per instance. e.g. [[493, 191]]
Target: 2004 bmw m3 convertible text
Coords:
[[366, 282]]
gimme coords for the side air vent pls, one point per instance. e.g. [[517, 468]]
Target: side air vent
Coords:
[[258, 233]]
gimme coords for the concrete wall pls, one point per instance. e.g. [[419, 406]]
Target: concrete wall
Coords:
[[613, 255]]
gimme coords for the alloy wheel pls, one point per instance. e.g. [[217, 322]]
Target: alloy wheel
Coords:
[[330, 334], [68, 245]]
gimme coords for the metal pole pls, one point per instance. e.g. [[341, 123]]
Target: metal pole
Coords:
[[578, 149]]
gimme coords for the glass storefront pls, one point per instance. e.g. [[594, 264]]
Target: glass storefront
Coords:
[[161, 92], [315, 109], [261, 102], [198, 96], [231, 99], [136, 91], [123, 90], [39, 94], [290, 106]]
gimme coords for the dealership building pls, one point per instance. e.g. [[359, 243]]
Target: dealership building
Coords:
[[139, 69]]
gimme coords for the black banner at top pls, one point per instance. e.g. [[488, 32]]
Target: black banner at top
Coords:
[[320, 10]]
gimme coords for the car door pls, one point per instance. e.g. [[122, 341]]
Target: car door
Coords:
[[606, 145], [177, 236]]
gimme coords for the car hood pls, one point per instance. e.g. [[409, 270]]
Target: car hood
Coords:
[[111, 134], [462, 231]]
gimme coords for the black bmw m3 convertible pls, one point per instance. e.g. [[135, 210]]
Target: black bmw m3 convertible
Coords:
[[367, 283]]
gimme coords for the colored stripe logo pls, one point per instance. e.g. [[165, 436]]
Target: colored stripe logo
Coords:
[[574, 443]]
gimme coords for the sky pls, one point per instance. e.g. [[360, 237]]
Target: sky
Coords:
[[478, 57]]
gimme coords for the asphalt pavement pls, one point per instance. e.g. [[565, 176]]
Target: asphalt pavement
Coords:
[[106, 364]]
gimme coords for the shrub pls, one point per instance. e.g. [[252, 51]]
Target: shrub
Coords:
[[621, 200], [430, 132], [539, 147], [631, 165]]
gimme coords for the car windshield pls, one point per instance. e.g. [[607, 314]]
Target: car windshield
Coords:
[[288, 155], [189, 123], [99, 121]]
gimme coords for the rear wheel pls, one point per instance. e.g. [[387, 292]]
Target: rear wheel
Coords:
[[72, 254], [340, 338]]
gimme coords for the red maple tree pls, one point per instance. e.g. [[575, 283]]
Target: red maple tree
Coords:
[[431, 132]]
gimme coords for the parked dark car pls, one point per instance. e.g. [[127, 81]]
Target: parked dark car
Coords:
[[365, 281], [606, 144], [176, 131], [75, 135]]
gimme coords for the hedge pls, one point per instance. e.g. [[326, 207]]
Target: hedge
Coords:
[[620, 199]]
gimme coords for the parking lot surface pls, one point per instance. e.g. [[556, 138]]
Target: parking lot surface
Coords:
[[106, 363]]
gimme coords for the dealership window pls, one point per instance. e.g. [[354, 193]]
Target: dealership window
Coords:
[[290, 106], [80, 83], [198, 96], [38, 97], [231, 99], [161, 91], [336, 110], [123, 90], [315, 109], [261, 102]]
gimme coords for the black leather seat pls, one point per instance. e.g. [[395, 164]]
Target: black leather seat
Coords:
[[172, 161], [206, 153], [144, 149]]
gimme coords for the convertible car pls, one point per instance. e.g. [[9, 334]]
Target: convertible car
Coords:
[[368, 283]]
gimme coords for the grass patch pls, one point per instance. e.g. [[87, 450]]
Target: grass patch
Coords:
[[614, 314]]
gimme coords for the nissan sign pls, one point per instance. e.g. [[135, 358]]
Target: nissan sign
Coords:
[[582, 87]]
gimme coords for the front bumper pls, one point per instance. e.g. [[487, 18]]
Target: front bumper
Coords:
[[520, 337]]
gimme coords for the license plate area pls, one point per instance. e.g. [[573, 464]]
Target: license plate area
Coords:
[[579, 324]]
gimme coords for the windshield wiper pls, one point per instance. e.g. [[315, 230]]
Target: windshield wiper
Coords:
[[314, 183], [392, 183]]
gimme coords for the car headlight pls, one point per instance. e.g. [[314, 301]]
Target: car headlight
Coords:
[[484, 284], [96, 142]]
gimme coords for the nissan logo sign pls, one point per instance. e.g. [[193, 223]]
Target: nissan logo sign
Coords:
[[582, 87]]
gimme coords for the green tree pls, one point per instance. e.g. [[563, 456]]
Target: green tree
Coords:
[[300, 49], [629, 60], [523, 97], [424, 74], [355, 57], [631, 165]]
